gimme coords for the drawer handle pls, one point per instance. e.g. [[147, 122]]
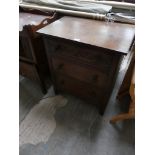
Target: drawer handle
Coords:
[[60, 66], [95, 78]]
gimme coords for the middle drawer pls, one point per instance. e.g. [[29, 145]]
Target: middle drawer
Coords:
[[79, 72]]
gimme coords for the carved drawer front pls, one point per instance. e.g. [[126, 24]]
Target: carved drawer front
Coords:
[[86, 55], [79, 72], [78, 88], [27, 70]]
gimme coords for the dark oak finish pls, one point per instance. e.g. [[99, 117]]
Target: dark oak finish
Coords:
[[32, 56], [84, 56], [79, 72], [78, 88], [112, 36]]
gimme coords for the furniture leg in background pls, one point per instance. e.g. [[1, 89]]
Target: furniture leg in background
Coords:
[[131, 112]]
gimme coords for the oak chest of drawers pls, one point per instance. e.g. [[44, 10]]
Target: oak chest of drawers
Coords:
[[84, 56]]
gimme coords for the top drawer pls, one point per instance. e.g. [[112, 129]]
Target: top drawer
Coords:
[[79, 53]]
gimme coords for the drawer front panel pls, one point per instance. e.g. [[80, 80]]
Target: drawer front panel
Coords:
[[78, 88], [27, 70], [79, 72], [87, 55]]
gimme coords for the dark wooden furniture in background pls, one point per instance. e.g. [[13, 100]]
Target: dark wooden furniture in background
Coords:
[[32, 57], [84, 56]]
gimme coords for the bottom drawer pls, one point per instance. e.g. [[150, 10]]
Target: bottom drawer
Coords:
[[78, 88], [27, 70]]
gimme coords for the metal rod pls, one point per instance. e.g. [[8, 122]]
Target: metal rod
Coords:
[[67, 12], [114, 4]]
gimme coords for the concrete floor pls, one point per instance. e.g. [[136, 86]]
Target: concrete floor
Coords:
[[80, 129]]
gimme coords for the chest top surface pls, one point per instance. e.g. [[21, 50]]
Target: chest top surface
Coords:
[[114, 36], [29, 19]]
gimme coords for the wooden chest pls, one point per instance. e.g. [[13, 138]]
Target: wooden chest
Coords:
[[79, 62]]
